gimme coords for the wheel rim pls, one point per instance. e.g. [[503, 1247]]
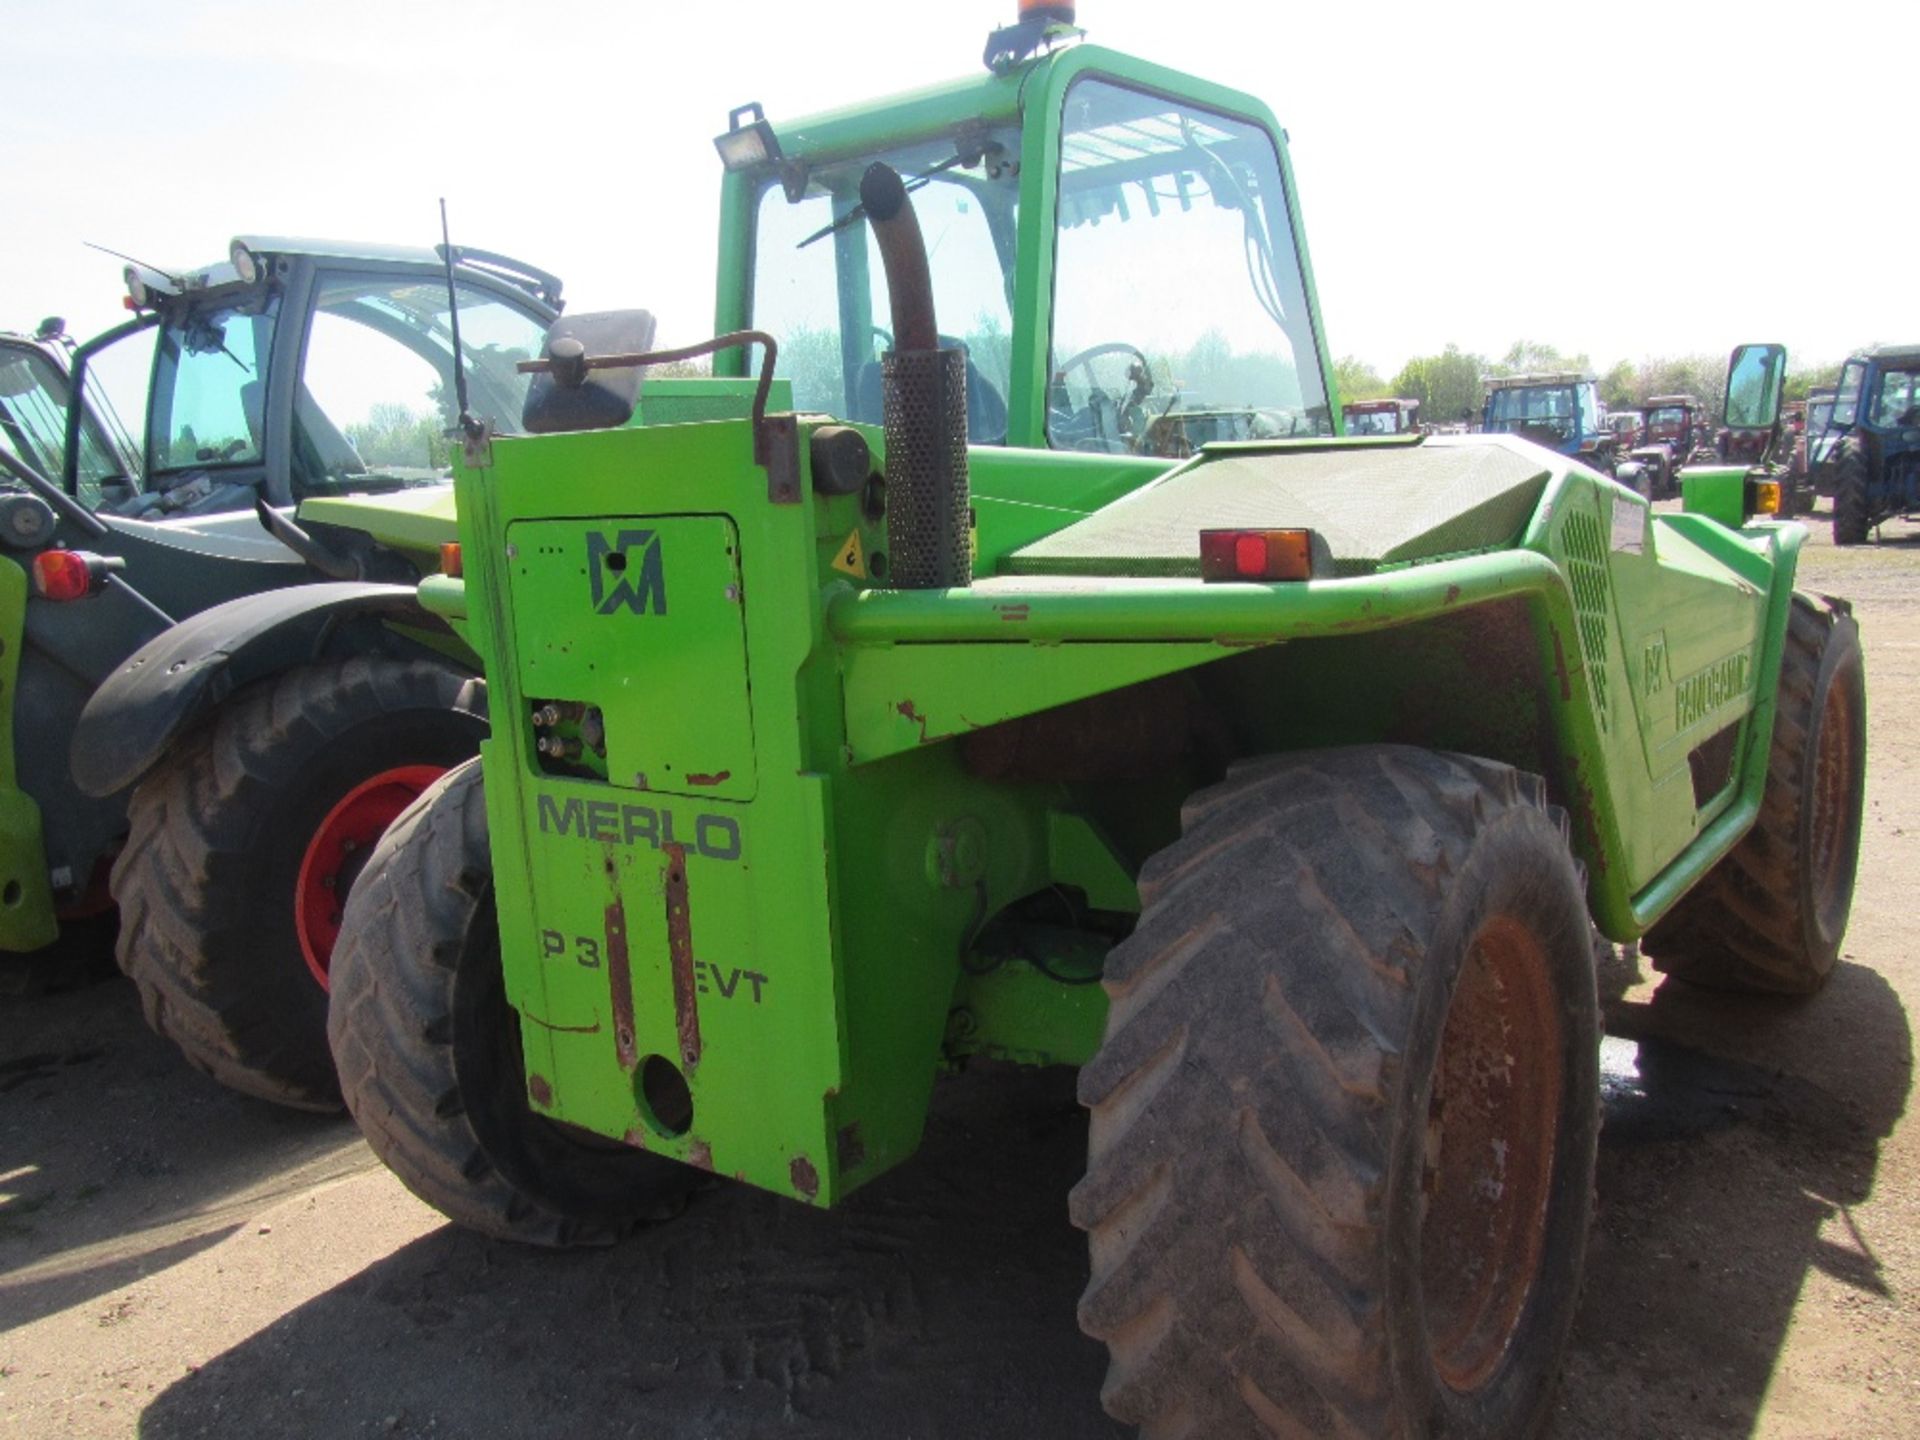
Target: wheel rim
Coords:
[[1492, 1129], [1833, 771], [338, 850]]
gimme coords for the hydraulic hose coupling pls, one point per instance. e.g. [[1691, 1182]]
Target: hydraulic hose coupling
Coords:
[[924, 404]]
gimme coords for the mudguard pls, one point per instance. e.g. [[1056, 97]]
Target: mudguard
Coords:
[[181, 676]]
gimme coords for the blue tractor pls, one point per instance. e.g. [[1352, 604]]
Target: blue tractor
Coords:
[[1560, 411], [1873, 436]]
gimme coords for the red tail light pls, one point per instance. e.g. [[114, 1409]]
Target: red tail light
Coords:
[[72, 574], [61, 575], [1256, 554]]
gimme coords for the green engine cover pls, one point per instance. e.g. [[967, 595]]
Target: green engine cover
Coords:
[[1375, 503]]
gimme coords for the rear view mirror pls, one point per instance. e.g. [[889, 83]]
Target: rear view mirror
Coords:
[[1755, 375]]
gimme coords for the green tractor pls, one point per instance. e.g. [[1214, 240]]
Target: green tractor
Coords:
[[1278, 788], [225, 815]]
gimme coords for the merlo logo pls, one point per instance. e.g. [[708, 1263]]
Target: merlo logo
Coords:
[[626, 571]]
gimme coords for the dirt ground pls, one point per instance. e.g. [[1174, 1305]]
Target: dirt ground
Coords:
[[177, 1261]]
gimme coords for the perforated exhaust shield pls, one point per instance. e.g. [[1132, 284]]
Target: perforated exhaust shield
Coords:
[[927, 490]]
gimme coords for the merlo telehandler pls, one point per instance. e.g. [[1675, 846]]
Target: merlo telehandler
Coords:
[[1277, 780]]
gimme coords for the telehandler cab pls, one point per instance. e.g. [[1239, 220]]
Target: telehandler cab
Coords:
[[1279, 788]]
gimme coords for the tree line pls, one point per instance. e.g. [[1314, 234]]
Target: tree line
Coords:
[[1449, 385]]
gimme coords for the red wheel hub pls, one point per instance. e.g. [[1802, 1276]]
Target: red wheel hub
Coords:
[[339, 849]]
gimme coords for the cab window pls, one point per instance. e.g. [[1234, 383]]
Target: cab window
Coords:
[[1846, 399], [376, 389], [819, 290], [1179, 311], [33, 422]]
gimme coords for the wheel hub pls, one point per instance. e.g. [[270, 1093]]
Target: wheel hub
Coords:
[[1492, 1129], [338, 851]]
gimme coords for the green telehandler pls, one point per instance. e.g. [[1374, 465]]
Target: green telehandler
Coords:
[[1058, 687]]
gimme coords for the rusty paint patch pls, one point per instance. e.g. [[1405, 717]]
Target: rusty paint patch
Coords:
[[539, 1091], [913, 717], [716, 779], [686, 1008], [636, 1137], [806, 1179], [1453, 594], [849, 1149], [593, 1029], [1560, 665], [700, 1156], [620, 984]]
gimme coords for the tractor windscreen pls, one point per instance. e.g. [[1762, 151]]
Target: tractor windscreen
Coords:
[[33, 422], [1545, 410], [1179, 312], [1896, 400], [818, 284], [1373, 422], [374, 399]]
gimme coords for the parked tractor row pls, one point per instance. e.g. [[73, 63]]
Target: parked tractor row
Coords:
[[1043, 680]]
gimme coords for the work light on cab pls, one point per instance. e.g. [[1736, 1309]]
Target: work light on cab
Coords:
[[746, 145]]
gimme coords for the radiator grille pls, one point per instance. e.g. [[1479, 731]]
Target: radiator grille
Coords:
[[1583, 551]]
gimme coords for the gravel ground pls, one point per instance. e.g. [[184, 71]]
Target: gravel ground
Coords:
[[177, 1261]]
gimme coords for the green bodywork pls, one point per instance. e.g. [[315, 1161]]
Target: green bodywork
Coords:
[[805, 848], [842, 834], [27, 918]]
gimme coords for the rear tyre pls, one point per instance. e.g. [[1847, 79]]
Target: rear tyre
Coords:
[[1852, 510], [1771, 915], [1344, 1118], [242, 820], [428, 1048]]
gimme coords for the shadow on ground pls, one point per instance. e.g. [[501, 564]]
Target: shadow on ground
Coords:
[[1727, 1178], [120, 1161], [938, 1302]]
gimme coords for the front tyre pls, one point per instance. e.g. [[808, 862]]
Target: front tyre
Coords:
[[1344, 1118], [428, 1049], [1769, 917], [1852, 502], [243, 843]]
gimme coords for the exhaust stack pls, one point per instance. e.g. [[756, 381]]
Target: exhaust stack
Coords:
[[924, 397]]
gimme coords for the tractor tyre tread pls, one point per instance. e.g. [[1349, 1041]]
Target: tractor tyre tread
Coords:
[[1852, 512], [193, 925], [1751, 924], [1242, 1143], [394, 1023]]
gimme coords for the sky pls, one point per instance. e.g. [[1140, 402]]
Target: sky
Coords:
[[1627, 180]]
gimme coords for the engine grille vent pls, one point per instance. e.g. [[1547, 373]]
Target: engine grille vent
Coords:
[[1584, 552]]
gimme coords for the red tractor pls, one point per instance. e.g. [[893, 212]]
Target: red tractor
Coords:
[[1381, 417], [1676, 427]]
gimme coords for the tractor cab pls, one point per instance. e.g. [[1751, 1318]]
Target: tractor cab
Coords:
[[1381, 417], [1560, 411], [1676, 421], [300, 368], [1116, 249], [1871, 441]]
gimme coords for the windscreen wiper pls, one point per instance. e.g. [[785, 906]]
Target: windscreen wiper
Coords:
[[859, 210]]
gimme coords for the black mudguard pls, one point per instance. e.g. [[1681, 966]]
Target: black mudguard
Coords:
[[179, 677]]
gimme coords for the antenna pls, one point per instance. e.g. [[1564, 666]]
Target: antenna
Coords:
[[467, 422], [144, 265]]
